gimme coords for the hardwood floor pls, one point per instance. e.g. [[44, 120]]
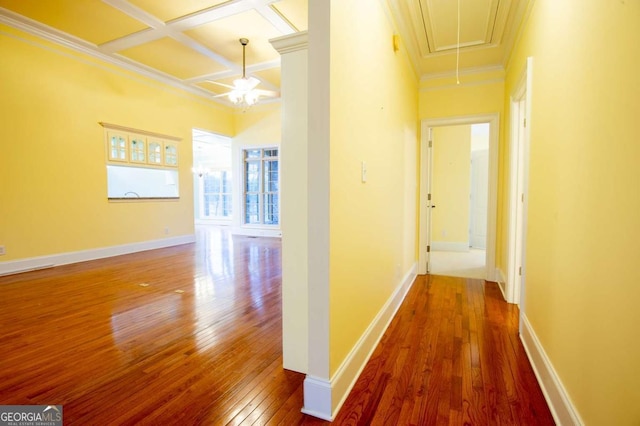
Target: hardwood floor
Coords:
[[192, 335]]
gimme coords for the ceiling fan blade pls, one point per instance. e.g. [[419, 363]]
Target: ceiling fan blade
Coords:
[[221, 95], [269, 93], [220, 84], [252, 82]]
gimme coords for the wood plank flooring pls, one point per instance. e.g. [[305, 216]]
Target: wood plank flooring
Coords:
[[191, 335]]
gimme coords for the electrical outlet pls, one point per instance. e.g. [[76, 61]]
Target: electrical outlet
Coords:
[[2, 250], [166, 230]]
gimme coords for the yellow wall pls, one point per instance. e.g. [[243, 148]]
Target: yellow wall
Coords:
[[52, 149], [582, 280], [260, 125], [478, 93], [373, 119], [451, 184]]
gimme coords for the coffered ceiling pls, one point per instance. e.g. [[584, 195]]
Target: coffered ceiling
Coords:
[[193, 43], [187, 43]]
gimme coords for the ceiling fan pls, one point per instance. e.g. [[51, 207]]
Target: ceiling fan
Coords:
[[243, 92]]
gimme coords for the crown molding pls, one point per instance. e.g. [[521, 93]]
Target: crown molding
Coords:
[[406, 31], [522, 17], [462, 84], [139, 131], [465, 71], [291, 43], [45, 32]]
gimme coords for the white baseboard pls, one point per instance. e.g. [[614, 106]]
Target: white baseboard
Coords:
[[502, 282], [319, 394], [214, 222], [256, 232], [563, 411], [33, 263], [317, 398], [449, 246]]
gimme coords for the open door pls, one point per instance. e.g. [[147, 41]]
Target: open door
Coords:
[[518, 198], [425, 205], [429, 206], [478, 199]]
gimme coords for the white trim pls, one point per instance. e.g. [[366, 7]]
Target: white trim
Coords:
[[108, 52], [241, 227], [560, 404], [523, 12], [291, 43], [216, 222], [319, 393], [449, 246], [256, 232], [45, 32], [502, 282], [317, 398], [30, 264], [218, 75], [463, 84], [518, 184], [318, 188], [463, 72], [492, 205]]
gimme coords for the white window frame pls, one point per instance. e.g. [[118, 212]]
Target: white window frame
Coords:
[[201, 199], [261, 193]]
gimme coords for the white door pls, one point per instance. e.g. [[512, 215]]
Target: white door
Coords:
[[429, 205], [518, 202], [516, 270], [479, 199]]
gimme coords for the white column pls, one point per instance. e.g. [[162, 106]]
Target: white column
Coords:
[[293, 203], [318, 400]]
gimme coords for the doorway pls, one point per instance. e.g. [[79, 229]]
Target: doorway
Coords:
[[212, 180], [459, 176], [428, 204]]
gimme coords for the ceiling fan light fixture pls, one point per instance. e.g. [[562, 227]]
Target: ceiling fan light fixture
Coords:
[[251, 97], [235, 96], [243, 93]]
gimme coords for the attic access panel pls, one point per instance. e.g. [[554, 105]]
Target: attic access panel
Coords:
[[482, 23]]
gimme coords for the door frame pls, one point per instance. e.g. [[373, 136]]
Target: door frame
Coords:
[[520, 136], [492, 207], [473, 196]]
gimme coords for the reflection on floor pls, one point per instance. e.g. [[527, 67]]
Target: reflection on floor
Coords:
[[467, 264]]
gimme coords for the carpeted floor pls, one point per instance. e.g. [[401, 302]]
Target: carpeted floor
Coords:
[[470, 264]]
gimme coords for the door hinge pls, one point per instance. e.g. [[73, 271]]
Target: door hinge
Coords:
[[520, 271], [522, 198], [525, 122], [428, 249], [428, 197], [430, 144]]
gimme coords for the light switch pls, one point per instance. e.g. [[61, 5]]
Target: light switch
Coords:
[[364, 171]]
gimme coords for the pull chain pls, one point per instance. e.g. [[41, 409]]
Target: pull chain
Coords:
[[458, 49]]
